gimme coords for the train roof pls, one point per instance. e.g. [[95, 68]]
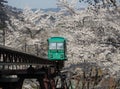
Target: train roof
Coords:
[[56, 39]]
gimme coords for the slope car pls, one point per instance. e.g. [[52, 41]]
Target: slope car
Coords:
[[57, 48]]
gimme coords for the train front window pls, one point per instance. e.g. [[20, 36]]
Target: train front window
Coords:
[[60, 46], [52, 45]]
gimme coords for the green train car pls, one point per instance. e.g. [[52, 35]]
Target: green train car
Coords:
[[57, 48]]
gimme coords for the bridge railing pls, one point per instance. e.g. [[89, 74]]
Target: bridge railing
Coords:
[[14, 59]]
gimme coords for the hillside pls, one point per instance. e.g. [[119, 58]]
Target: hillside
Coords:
[[93, 36], [90, 37]]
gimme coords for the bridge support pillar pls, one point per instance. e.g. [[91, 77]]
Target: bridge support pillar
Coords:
[[8, 88], [41, 83], [20, 83], [9, 84]]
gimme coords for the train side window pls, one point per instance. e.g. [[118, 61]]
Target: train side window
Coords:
[[60, 45], [52, 45]]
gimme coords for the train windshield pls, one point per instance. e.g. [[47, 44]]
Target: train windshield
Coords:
[[60, 45], [56, 46], [52, 45]]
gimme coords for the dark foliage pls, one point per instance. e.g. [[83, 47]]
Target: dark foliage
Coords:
[[3, 15], [94, 2]]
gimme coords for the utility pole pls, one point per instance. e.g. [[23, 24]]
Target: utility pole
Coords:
[[36, 48], [4, 36], [25, 49]]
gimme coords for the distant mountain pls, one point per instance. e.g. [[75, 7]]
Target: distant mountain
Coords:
[[48, 9], [52, 9], [14, 9]]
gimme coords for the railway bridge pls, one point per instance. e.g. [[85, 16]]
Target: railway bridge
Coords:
[[15, 66]]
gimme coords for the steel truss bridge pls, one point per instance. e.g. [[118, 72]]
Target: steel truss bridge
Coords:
[[15, 66]]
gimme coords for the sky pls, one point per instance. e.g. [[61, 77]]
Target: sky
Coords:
[[43, 4], [33, 3]]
